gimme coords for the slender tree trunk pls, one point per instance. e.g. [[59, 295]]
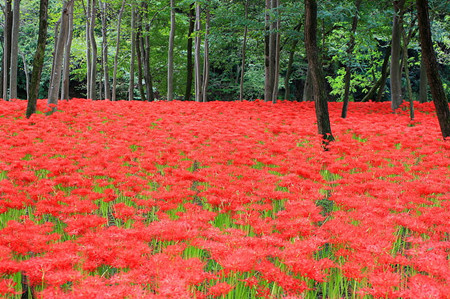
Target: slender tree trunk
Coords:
[[58, 57], [38, 61], [93, 79], [27, 76], [318, 79], [267, 55], [244, 47], [66, 69], [55, 36], [434, 80], [396, 74], [7, 46], [377, 90], [14, 50], [350, 47], [197, 64], [145, 47], [87, 12], [406, 70], [139, 57], [189, 63], [116, 55], [384, 75], [206, 58], [105, 52], [276, 50], [133, 51], [170, 53], [423, 87]]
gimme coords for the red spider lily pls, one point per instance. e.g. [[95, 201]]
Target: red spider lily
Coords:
[[160, 200]]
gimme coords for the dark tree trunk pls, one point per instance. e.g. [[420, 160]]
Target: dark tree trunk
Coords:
[[58, 57], [197, 58], [348, 74], [377, 90], [189, 63], [66, 68], [396, 74], [384, 75], [267, 54], [317, 76], [116, 55], [133, 52], [170, 63], [14, 50], [206, 58], [145, 49], [276, 50], [38, 60], [93, 75], [105, 52], [434, 80], [6, 47], [139, 59]]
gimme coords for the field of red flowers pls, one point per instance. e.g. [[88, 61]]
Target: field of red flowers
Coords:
[[222, 200]]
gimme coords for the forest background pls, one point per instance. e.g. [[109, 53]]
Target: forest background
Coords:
[[146, 50]]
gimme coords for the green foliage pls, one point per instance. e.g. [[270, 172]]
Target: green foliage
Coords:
[[226, 38]]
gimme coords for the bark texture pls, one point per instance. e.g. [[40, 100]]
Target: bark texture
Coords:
[[396, 74], [434, 80], [14, 50], [38, 61], [317, 76]]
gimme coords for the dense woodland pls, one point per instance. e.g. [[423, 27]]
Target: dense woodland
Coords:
[[219, 50]]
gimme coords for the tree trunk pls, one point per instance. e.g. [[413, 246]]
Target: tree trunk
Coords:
[[384, 75], [7, 46], [434, 80], [66, 68], [268, 88], [58, 57], [38, 60], [423, 87], [244, 46], [14, 50], [139, 57], [197, 67], [276, 50], [116, 55], [406, 70], [350, 47], [189, 63], [87, 12], [318, 79], [170, 52], [147, 71], [377, 90], [105, 52], [396, 74], [133, 50], [206, 58], [27, 76], [93, 77]]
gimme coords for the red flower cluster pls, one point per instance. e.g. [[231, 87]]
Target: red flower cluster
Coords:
[[190, 200]]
